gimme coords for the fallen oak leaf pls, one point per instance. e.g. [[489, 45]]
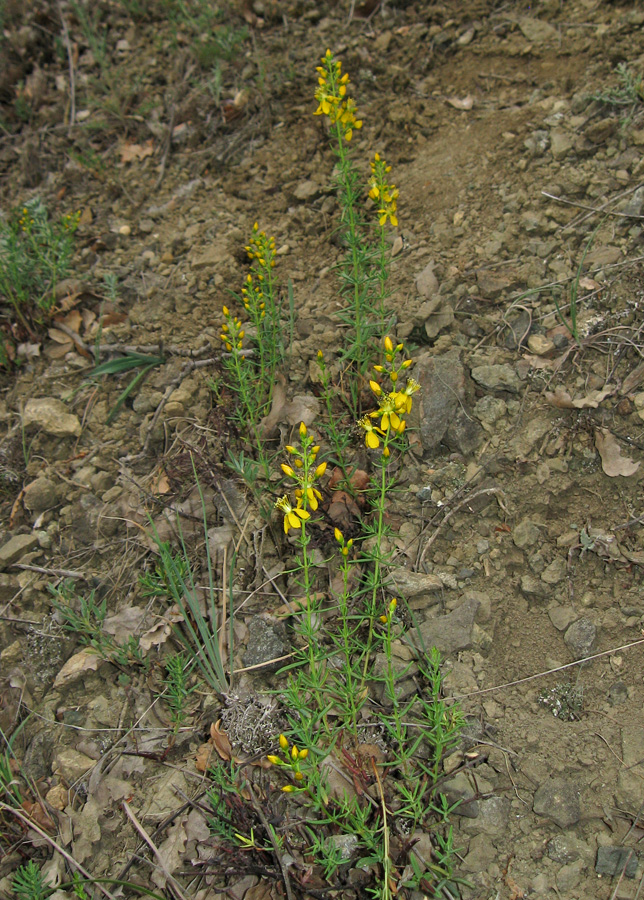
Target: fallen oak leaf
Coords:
[[613, 463], [562, 399]]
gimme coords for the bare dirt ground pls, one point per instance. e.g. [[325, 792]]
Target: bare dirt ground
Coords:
[[512, 136]]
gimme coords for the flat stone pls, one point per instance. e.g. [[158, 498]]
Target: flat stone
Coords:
[[52, 416], [16, 547], [536, 30], [533, 587], [489, 410], [555, 571], [497, 378], [494, 813], [427, 282], [70, 765], [580, 637], [482, 853], [613, 861], [442, 382], [598, 132], [415, 585], [564, 848], [454, 631], [631, 775], [557, 800], [561, 616], [561, 143], [493, 284], [464, 433], [525, 534], [569, 876], [306, 190], [215, 255]]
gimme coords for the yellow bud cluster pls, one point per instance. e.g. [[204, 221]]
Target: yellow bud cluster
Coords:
[[291, 760], [331, 95], [380, 191]]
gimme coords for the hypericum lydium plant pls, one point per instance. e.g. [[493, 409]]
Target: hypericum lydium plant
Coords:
[[385, 196], [290, 762], [363, 280]]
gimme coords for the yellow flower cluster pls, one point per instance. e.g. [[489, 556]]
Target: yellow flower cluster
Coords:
[[232, 332], [392, 405], [386, 195], [25, 221], [305, 474], [293, 756], [261, 248], [331, 95], [345, 546], [253, 298]]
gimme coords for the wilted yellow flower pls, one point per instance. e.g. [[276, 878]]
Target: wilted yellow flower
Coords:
[[293, 515]]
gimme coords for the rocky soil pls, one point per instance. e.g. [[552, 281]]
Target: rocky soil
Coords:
[[523, 494]]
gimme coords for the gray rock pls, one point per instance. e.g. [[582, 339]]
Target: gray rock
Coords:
[[563, 848], [536, 30], [615, 860], [497, 378], [40, 495], [531, 586], [415, 585], [464, 433], [216, 255], [266, 643], [580, 637], [454, 631], [427, 282], [537, 143], [306, 190], [569, 876], [525, 534], [52, 416], [437, 314], [489, 410], [561, 616], [16, 547], [518, 328], [460, 789], [346, 844], [599, 131], [481, 854], [493, 815], [629, 780], [617, 693], [555, 572], [442, 382], [493, 284], [557, 800], [561, 143]]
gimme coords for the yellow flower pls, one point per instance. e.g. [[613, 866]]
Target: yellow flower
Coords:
[[288, 789], [371, 439], [288, 470], [283, 742], [275, 760], [293, 515], [302, 430]]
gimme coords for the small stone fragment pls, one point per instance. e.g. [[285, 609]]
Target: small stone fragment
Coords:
[[556, 799], [525, 534], [16, 547], [497, 378], [52, 416], [613, 861], [580, 637]]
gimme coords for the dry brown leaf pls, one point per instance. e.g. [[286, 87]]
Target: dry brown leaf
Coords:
[[170, 852], [613, 463], [160, 632], [562, 399], [131, 152], [83, 661], [125, 623], [73, 320], [461, 102], [220, 741], [39, 814], [113, 318], [204, 755], [60, 337], [589, 284], [633, 379], [268, 425], [161, 483]]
